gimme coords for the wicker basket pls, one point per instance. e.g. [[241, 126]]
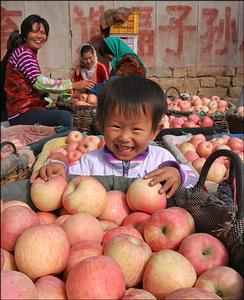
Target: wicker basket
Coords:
[[84, 116], [19, 173], [235, 123]]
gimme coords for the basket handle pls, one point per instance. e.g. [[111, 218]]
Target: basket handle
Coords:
[[236, 167], [173, 88], [3, 144]]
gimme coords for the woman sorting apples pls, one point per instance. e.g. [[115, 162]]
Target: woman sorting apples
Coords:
[[25, 87], [129, 112]]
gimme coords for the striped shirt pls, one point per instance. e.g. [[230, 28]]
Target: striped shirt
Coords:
[[24, 60]]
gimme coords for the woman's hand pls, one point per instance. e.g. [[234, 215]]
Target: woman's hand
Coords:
[[83, 85], [168, 176], [46, 172]]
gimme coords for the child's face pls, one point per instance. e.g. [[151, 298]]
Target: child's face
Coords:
[[126, 136]]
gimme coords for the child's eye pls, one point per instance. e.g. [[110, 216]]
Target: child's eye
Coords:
[[137, 129]]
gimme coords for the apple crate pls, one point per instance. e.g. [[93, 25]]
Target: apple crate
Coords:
[[84, 116], [130, 26]]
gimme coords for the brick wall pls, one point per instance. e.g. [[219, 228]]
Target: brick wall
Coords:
[[225, 82]]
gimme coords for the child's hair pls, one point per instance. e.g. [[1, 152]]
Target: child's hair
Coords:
[[86, 48], [127, 65], [132, 94], [104, 49]]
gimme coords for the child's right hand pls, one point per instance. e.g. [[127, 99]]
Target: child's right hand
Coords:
[[46, 172]]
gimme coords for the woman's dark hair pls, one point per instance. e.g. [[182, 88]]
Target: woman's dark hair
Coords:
[[132, 94], [86, 48], [15, 39], [104, 49]]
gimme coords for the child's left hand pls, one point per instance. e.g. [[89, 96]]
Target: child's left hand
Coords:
[[169, 175]]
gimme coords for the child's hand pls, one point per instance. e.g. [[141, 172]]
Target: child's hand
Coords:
[[170, 177], [46, 172]]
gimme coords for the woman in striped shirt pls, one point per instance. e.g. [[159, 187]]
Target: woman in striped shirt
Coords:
[[23, 83]]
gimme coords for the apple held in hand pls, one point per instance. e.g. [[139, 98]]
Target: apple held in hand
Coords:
[[143, 197], [204, 251], [73, 156], [47, 195], [75, 136], [85, 194], [87, 145]]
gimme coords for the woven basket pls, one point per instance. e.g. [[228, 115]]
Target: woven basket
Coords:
[[19, 173], [84, 116], [235, 123]]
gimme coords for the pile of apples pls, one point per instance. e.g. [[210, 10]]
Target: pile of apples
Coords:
[[197, 149], [192, 121], [198, 104], [108, 245], [78, 144]]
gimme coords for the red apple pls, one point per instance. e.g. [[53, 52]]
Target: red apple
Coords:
[[85, 194], [75, 136], [191, 293], [47, 195], [7, 261], [204, 149], [96, 277], [215, 98], [206, 122], [198, 164], [235, 143], [166, 229], [222, 103], [194, 118], [191, 156], [87, 146], [73, 156], [72, 145], [132, 254], [178, 121], [166, 271], [204, 251], [136, 294], [184, 105], [189, 124], [187, 215], [113, 232], [116, 209], [50, 287], [206, 101], [137, 220], [46, 217], [216, 172], [80, 227], [101, 143], [93, 138], [42, 250], [223, 281], [196, 101], [143, 197], [106, 225], [186, 147]]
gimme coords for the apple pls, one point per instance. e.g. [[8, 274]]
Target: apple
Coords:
[[9, 203], [184, 105], [143, 197], [61, 219], [106, 225], [198, 136], [206, 122], [73, 156], [116, 209], [84, 194], [46, 217], [137, 220], [87, 146], [196, 101], [75, 136], [80, 251], [113, 232], [166, 271], [191, 293], [235, 143], [16, 285], [187, 215], [204, 149], [80, 227], [213, 104], [14, 221], [93, 138], [205, 109], [223, 281], [198, 164], [7, 261], [42, 250], [101, 143], [132, 255], [225, 137], [194, 118], [191, 156], [135, 293], [166, 229], [92, 99], [96, 277], [217, 141], [47, 195], [186, 147], [197, 108], [189, 124], [218, 147], [50, 287], [204, 251], [222, 103], [178, 121], [72, 145], [216, 172], [206, 101]]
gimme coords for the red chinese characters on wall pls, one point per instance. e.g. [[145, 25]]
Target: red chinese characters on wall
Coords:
[[8, 24], [218, 31], [177, 26]]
